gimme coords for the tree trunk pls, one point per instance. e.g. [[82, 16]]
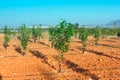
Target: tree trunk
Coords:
[[35, 40], [75, 35], [83, 50], [84, 45], [23, 53], [60, 62], [52, 45], [96, 42], [5, 45], [0, 77], [39, 39], [59, 66]]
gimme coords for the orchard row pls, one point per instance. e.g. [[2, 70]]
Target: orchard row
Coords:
[[59, 36]]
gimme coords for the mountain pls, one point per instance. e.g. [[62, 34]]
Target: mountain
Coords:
[[112, 23]]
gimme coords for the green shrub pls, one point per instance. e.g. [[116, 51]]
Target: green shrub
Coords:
[[96, 34], [24, 37], [39, 31], [118, 32], [34, 33], [7, 33], [76, 29], [60, 39], [83, 35]]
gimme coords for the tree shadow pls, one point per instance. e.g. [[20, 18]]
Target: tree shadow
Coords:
[[99, 53], [78, 41], [0, 77], [110, 40], [115, 68], [76, 68], [71, 50], [42, 57], [43, 43], [5, 45], [109, 45], [18, 49], [115, 38], [10, 56], [47, 74], [43, 73], [30, 40], [18, 37]]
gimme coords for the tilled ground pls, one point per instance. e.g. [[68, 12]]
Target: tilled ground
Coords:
[[101, 62]]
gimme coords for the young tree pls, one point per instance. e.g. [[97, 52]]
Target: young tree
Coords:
[[60, 36], [83, 35], [24, 37], [96, 34], [118, 32], [52, 36], [14, 32], [104, 32], [76, 29], [34, 33], [115, 28], [91, 31], [6, 36], [39, 31], [70, 29]]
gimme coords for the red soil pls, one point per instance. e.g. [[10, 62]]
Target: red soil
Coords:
[[101, 62]]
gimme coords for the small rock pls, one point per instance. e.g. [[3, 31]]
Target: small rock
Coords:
[[100, 75], [85, 52], [113, 59], [1, 56], [90, 79], [54, 71], [14, 73], [100, 59]]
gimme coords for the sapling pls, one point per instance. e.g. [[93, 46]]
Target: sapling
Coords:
[[60, 36], [96, 35], [115, 28], [6, 36], [83, 35], [39, 31], [70, 29], [76, 29], [24, 37], [52, 35], [34, 34], [118, 32], [13, 32]]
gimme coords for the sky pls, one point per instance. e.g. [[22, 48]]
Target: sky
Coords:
[[50, 12]]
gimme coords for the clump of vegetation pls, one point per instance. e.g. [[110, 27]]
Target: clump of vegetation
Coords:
[[96, 34], [76, 29], [52, 32], [6, 36], [83, 35], [118, 33], [115, 28], [34, 33], [39, 31], [105, 32], [91, 31], [24, 37], [60, 39]]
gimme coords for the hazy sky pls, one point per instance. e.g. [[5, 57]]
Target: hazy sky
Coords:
[[34, 12]]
